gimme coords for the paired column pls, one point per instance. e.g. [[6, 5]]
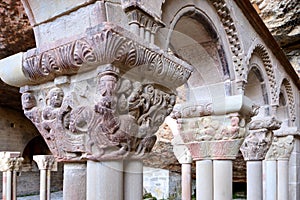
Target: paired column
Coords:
[[213, 142], [122, 180], [46, 164], [277, 168], [10, 163], [214, 179], [254, 150]]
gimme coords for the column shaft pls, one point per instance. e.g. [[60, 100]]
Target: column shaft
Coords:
[[271, 179], [186, 181], [48, 184], [14, 185], [74, 181], [8, 185], [104, 180], [4, 185], [204, 180], [134, 27], [222, 180], [43, 184], [283, 180], [254, 180], [133, 179]]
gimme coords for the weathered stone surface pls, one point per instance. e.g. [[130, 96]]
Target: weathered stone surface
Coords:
[[15, 32], [282, 17], [15, 35]]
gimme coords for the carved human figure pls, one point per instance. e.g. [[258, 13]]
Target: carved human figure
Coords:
[[29, 106], [28, 101], [54, 101]]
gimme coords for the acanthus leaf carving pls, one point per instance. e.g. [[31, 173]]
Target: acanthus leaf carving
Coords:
[[105, 45]]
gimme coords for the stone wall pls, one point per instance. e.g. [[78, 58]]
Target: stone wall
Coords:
[[15, 130], [163, 184]]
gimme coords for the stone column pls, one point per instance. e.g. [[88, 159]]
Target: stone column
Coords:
[[254, 175], [283, 179], [222, 178], [10, 163], [254, 150], [213, 141], [204, 180], [184, 157], [133, 179], [277, 160], [46, 164], [104, 180], [270, 180], [74, 183]]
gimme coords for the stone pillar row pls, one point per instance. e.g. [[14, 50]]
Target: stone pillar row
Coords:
[[254, 150], [213, 145], [211, 136], [10, 164], [46, 164], [277, 167]]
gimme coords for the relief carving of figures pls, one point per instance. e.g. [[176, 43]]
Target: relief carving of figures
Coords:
[[259, 139], [209, 128], [120, 120], [281, 148]]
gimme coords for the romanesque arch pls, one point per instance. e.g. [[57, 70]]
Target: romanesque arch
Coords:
[[286, 103], [260, 56]]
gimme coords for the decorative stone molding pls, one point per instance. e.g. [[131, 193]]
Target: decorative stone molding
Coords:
[[10, 161], [46, 162], [281, 148], [181, 150], [259, 138], [262, 52], [103, 45], [291, 102], [233, 39]]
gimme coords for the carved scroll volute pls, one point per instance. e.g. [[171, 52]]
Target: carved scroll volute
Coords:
[[259, 139]]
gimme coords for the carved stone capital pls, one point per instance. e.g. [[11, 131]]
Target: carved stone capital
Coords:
[[151, 8], [213, 137], [10, 161], [281, 148], [46, 162], [259, 139], [103, 117], [181, 151]]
